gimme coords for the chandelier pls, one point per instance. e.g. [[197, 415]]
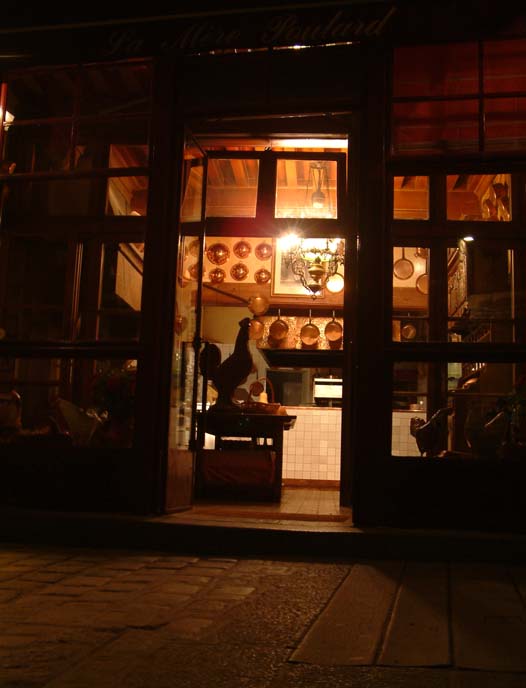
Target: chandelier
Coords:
[[314, 262]]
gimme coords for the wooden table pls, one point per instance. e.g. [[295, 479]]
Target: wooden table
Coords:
[[263, 432]]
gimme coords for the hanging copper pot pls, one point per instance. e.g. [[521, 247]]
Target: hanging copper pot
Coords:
[[333, 330], [309, 333], [256, 329], [279, 329], [422, 282], [403, 268], [258, 305]]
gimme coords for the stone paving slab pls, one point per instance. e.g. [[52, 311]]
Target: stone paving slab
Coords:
[[155, 620]]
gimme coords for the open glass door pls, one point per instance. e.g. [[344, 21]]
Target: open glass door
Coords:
[[184, 393]]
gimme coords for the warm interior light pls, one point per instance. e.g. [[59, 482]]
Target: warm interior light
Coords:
[[309, 143], [318, 174], [335, 284], [8, 119], [469, 238], [318, 199], [314, 262]]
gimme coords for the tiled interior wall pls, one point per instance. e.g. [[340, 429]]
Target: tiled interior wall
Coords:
[[402, 442], [311, 450]]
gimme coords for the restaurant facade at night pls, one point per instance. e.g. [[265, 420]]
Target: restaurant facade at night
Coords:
[[351, 176]]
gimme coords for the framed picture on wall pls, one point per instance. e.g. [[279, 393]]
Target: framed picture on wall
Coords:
[[284, 281]]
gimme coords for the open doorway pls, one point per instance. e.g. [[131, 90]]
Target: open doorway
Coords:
[[238, 263]]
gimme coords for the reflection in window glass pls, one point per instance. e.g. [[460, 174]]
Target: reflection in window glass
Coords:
[[35, 289], [410, 294], [504, 66], [39, 94], [434, 127], [191, 207], [505, 123], [479, 197], [486, 294], [306, 188], [114, 142], [39, 148], [53, 198], [436, 70], [115, 89], [127, 196], [232, 187], [69, 402], [411, 198], [120, 302], [123, 155]]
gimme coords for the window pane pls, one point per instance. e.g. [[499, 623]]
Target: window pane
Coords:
[[480, 412], [232, 187], [126, 155], [114, 143], [435, 127], [39, 148], [35, 289], [411, 198], [69, 402], [115, 89], [120, 303], [439, 70], [35, 95], [487, 293], [410, 294], [306, 188], [58, 197], [191, 207], [127, 196], [505, 66], [479, 197], [505, 123]]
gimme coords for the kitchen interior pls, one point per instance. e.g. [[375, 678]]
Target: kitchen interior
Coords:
[[290, 281], [296, 331]]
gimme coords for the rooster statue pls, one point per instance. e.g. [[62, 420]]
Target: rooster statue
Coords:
[[431, 436], [234, 370]]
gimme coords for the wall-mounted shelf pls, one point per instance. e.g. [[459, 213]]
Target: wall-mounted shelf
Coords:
[[303, 358]]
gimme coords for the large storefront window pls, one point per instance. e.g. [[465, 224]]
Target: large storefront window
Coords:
[[459, 98], [73, 206], [456, 99]]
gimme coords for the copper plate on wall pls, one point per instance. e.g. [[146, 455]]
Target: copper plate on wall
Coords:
[[217, 275], [263, 251], [239, 272], [218, 254], [242, 249], [262, 276]]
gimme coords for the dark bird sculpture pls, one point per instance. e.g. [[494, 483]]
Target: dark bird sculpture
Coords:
[[233, 371], [431, 436]]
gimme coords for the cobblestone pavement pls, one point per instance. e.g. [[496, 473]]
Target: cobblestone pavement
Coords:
[[86, 618]]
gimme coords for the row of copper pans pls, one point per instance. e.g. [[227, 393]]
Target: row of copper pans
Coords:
[[309, 333]]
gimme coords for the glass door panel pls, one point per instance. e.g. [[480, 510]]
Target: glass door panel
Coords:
[[184, 393]]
